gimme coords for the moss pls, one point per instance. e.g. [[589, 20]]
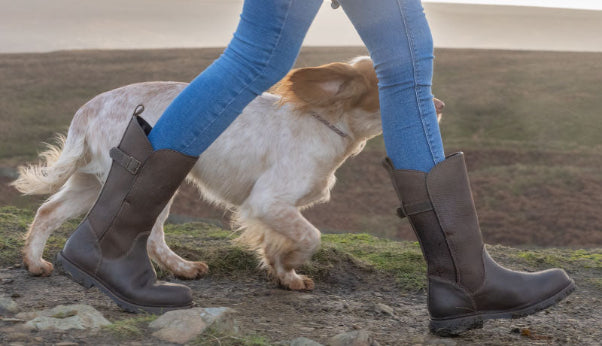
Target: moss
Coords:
[[194, 229], [128, 328], [212, 337], [13, 227], [402, 259], [65, 314], [562, 258], [587, 259]]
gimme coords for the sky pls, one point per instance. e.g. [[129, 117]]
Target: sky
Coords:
[[581, 4]]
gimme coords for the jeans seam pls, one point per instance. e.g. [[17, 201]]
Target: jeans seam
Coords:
[[412, 48], [246, 86]]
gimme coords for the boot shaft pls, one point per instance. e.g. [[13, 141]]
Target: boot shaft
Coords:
[[139, 185], [440, 208], [108, 249]]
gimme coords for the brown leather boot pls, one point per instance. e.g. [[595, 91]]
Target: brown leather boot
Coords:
[[108, 249], [465, 286]]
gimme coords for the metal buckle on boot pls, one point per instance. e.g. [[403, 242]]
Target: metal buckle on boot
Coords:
[[130, 163]]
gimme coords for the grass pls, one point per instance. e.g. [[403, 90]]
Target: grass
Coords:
[[130, 328], [535, 98], [563, 258], [527, 99], [213, 337], [339, 254]]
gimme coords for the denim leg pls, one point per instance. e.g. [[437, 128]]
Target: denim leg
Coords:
[[263, 49], [399, 39]]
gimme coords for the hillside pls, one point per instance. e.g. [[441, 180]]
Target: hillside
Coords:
[[528, 122]]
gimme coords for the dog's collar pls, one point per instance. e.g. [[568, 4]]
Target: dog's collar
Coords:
[[330, 126]]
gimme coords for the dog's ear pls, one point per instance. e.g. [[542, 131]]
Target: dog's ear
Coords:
[[323, 86]]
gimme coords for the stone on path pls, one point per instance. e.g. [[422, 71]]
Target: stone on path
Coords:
[[8, 306], [182, 326], [385, 309], [64, 317], [303, 342], [353, 338]]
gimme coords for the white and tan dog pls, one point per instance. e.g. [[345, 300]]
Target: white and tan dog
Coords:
[[278, 157]]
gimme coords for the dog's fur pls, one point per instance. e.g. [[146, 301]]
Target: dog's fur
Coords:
[[273, 161]]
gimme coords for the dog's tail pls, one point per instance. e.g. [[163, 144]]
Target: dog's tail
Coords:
[[57, 163]]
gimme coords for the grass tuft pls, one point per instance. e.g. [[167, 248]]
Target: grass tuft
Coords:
[[213, 337], [130, 328]]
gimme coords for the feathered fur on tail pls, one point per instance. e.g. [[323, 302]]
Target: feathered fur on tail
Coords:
[[57, 163]]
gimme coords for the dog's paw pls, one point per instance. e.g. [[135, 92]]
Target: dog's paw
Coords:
[[302, 283], [295, 282], [42, 268], [190, 270]]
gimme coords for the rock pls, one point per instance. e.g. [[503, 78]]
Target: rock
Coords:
[[64, 317], [12, 320], [303, 342], [353, 338], [14, 334], [181, 326], [385, 309], [434, 340], [8, 305]]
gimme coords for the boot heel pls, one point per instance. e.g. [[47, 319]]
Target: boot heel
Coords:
[[454, 327], [77, 275]]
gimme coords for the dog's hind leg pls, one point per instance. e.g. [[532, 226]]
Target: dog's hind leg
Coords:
[[166, 258], [75, 198]]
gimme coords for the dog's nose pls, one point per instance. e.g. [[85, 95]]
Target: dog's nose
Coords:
[[439, 105]]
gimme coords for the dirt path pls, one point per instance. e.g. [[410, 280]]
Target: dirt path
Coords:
[[347, 298]]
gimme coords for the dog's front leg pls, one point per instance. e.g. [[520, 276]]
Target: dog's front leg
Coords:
[[161, 254], [286, 240]]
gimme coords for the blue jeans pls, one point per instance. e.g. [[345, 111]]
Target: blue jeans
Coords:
[[265, 47]]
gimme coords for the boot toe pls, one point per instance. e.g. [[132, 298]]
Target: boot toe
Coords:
[[552, 281], [167, 294]]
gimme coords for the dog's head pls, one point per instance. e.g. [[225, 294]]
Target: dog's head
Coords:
[[339, 92]]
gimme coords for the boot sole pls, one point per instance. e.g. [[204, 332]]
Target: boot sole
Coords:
[[87, 281], [456, 326]]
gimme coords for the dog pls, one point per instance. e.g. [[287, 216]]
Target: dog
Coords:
[[277, 158]]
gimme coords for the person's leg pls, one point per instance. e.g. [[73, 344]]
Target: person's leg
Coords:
[[465, 286], [263, 49], [109, 248], [399, 40]]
